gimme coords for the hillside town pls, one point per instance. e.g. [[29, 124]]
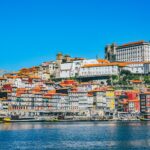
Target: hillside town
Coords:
[[74, 88]]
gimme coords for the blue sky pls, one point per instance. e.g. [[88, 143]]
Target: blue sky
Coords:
[[33, 31]]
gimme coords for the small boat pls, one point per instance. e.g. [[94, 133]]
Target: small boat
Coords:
[[144, 119], [2, 118], [21, 119], [7, 119]]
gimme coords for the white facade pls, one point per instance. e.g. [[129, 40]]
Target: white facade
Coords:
[[18, 83], [98, 71], [89, 61], [65, 70], [70, 69], [147, 68], [133, 52], [135, 68], [52, 68], [2, 82]]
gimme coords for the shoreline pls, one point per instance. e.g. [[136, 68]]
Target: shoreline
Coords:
[[57, 121]]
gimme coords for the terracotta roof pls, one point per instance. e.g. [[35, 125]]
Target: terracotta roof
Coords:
[[133, 43], [134, 100], [102, 61], [97, 90], [51, 92], [147, 93], [1, 78], [90, 95], [45, 96], [121, 64], [130, 63], [34, 77], [21, 89], [136, 81]]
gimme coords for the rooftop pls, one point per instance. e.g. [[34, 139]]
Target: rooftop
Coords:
[[133, 44]]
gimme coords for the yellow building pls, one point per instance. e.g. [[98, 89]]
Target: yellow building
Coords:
[[110, 97]]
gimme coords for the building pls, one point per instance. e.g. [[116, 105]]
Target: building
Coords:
[[135, 67], [110, 99], [110, 52], [130, 52], [145, 104], [2, 81], [70, 69], [100, 71], [147, 68], [66, 66]]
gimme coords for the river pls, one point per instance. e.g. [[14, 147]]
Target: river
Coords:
[[75, 136]]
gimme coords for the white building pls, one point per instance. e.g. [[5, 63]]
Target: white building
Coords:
[[52, 68], [98, 70], [89, 61], [65, 70], [147, 68], [70, 69], [2, 81], [88, 68], [133, 52], [135, 67]]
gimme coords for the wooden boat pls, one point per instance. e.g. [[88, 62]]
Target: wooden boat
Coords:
[[21, 119]]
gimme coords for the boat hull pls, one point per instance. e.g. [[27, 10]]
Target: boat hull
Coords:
[[23, 121], [144, 119]]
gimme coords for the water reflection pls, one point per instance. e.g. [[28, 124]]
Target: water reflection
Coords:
[[37, 125], [75, 135]]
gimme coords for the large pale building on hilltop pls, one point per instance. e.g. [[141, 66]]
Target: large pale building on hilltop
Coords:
[[131, 52]]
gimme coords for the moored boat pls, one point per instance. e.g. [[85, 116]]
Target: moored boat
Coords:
[[21, 119], [144, 119], [1, 119]]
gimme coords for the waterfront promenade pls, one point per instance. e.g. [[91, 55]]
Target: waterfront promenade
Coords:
[[75, 135]]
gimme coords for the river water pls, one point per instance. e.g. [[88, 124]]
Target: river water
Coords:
[[75, 136]]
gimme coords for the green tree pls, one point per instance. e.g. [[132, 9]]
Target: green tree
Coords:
[[109, 82], [115, 79], [125, 72], [147, 79]]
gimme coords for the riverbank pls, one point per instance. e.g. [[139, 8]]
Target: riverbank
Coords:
[[104, 120]]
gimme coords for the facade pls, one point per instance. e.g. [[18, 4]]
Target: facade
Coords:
[[98, 70], [66, 66], [2, 81], [101, 68], [145, 104], [72, 68], [65, 70], [104, 101], [110, 99], [135, 67], [147, 68], [110, 52], [131, 52]]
